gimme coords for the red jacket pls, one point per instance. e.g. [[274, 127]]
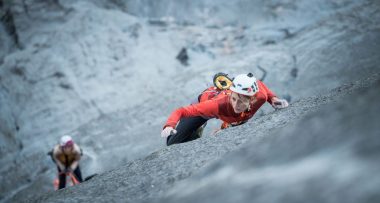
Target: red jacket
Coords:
[[211, 106]]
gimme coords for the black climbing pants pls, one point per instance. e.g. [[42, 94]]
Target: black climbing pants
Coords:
[[188, 129], [62, 177]]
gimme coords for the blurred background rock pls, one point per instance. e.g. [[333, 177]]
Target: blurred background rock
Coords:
[[106, 72]]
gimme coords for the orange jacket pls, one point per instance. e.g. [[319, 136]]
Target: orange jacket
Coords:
[[219, 107]]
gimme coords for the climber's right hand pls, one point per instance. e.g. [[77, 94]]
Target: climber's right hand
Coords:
[[168, 131]]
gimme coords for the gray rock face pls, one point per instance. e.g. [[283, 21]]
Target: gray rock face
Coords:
[[91, 69], [220, 13], [280, 158], [331, 155]]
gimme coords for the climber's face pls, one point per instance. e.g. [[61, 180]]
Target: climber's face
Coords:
[[240, 103], [67, 149]]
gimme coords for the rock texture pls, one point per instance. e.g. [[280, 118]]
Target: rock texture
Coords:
[[331, 155], [106, 71], [320, 149]]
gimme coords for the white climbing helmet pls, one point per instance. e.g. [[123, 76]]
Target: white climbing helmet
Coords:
[[66, 140], [245, 84]]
